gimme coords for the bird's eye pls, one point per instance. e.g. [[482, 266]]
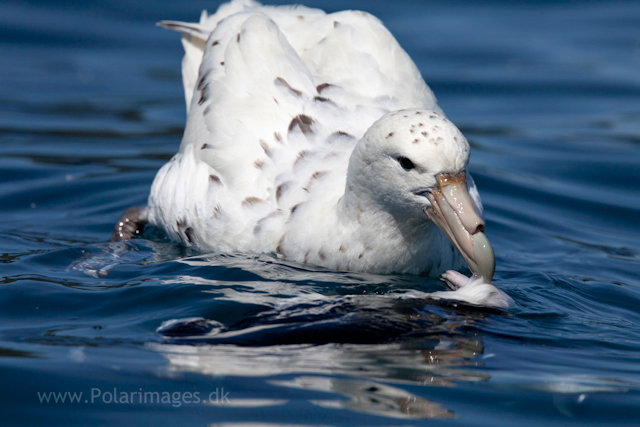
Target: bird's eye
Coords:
[[406, 163]]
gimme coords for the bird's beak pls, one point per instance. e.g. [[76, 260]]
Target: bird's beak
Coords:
[[455, 214]]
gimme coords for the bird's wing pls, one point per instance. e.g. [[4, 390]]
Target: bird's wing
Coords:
[[251, 103]]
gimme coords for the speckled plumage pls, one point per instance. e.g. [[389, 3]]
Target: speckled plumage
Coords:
[[297, 124]]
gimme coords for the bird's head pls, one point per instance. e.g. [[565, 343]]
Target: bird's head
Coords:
[[413, 164]]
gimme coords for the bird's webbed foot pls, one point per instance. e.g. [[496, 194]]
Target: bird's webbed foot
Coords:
[[130, 224]]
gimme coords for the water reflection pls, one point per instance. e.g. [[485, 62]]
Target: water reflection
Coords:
[[360, 348], [368, 367], [441, 367], [369, 397]]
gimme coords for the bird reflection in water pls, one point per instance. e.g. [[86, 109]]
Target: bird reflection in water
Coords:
[[361, 347]]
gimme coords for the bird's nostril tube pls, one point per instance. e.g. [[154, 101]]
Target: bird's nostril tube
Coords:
[[479, 229]]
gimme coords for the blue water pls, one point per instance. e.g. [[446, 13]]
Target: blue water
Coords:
[[91, 106]]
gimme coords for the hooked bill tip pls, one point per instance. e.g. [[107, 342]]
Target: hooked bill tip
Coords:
[[484, 257]]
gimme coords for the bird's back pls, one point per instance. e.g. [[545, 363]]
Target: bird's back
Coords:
[[277, 99]]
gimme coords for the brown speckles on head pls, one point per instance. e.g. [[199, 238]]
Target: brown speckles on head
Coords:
[[342, 248], [415, 141], [418, 113], [258, 163], [214, 179], [277, 136], [420, 124], [322, 255], [274, 98], [238, 38], [389, 135], [204, 146], [206, 110], [215, 42], [424, 133]]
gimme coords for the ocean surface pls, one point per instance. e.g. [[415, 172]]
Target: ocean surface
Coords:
[[150, 333]]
